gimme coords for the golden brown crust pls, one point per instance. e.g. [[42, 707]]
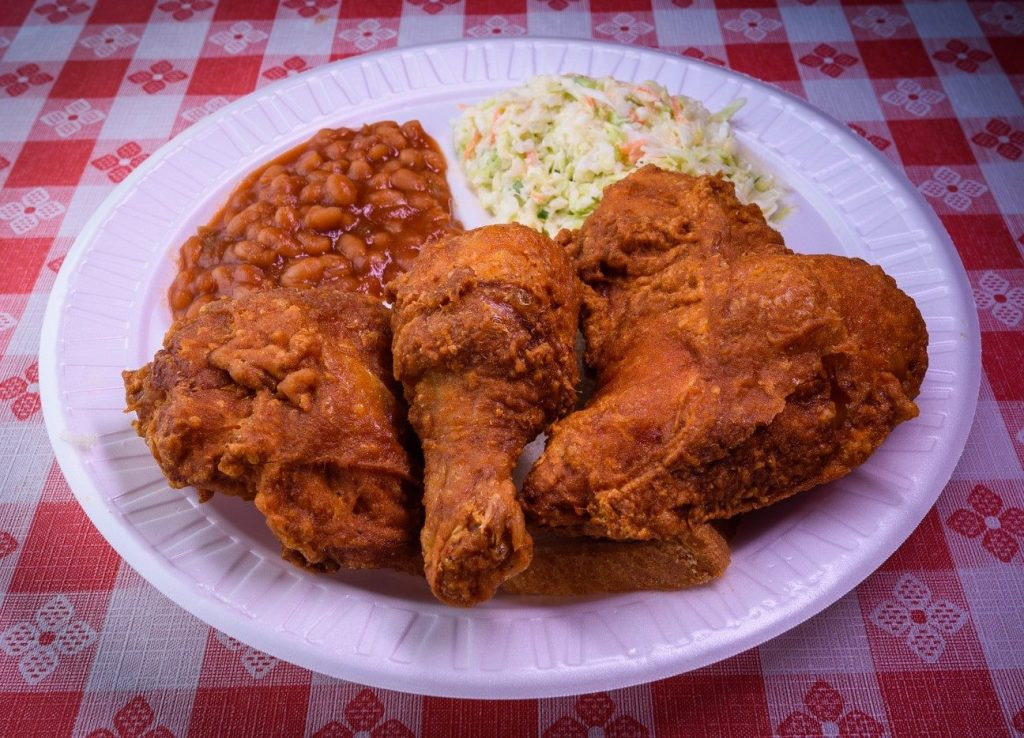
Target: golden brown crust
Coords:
[[731, 372], [285, 397], [565, 566], [484, 344]]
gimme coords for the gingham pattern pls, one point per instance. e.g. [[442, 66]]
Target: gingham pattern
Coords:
[[932, 643]]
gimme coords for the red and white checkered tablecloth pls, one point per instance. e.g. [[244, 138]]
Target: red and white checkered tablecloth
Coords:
[[931, 644]]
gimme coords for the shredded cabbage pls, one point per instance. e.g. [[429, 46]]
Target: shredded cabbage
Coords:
[[542, 154]]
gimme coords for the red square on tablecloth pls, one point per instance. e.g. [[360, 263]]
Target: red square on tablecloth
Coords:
[[1003, 356], [225, 75], [500, 7], [740, 4], [614, 6], [38, 714], [118, 11], [983, 241], [770, 62], [905, 57], [24, 257], [1007, 50], [64, 551], [704, 704], [90, 79], [246, 10], [471, 718], [925, 548], [361, 9], [230, 663], [51, 163], [961, 703], [14, 12], [934, 141], [280, 711]]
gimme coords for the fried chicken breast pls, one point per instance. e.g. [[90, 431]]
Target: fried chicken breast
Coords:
[[285, 397], [730, 371]]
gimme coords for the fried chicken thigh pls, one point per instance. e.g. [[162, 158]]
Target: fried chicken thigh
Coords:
[[484, 344], [285, 397], [730, 372]]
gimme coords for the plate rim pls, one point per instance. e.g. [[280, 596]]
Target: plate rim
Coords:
[[587, 677]]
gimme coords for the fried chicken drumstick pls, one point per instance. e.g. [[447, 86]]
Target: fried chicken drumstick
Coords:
[[484, 344], [731, 372], [285, 397]]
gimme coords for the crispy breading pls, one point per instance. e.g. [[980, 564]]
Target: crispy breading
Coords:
[[285, 397], [485, 325], [577, 565], [730, 372]]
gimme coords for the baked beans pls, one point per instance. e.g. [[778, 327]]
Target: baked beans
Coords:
[[348, 208]]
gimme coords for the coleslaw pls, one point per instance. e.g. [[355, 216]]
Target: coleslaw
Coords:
[[542, 154]]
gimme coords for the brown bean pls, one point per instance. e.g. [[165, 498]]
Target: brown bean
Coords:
[[204, 283], [324, 219], [433, 160], [421, 201], [410, 158], [335, 265], [378, 152], [270, 236], [413, 130], [335, 150], [197, 305], [308, 161], [313, 243], [341, 189], [240, 221], [285, 217], [379, 181], [408, 181], [312, 192], [359, 169], [353, 247], [253, 253], [283, 184], [270, 172], [180, 293], [392, 137], [191, 250], [386, 198], [303, 272]]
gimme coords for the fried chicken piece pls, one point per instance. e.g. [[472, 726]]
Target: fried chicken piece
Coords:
[[484, 344], [578, 565], [285, 397], [731, 372]]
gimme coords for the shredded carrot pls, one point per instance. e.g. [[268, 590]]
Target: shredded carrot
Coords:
[[677, 111], [494, 126], [632, 150], [473, 142], [588, 101]]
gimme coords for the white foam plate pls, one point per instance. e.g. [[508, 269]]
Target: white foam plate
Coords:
[[218, 560]]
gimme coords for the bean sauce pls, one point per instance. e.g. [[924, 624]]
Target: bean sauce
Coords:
[[349, 208]]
